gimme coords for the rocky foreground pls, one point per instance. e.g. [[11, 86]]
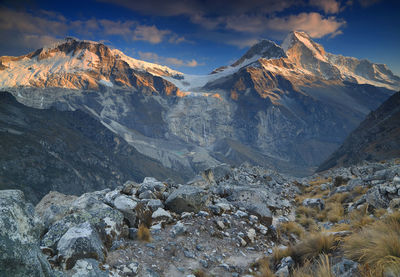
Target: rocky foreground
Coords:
[[241, 221]]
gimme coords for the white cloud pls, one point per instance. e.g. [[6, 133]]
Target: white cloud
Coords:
[[328, 6], [170, 61], [312, 23], [149, 33]]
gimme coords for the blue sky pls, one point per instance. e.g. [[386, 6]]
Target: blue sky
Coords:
[[196, 36]]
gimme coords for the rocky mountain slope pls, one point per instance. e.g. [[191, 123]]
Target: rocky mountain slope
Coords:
[[43, 150], [245, 221], [377, 138], [292, 105]]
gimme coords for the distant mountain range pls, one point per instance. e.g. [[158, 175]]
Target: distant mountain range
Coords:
[[286, 107], [376, 139]]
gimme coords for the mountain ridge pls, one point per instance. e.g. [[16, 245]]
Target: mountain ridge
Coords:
[[272, 105]]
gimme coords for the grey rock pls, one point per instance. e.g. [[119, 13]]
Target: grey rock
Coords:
[[161, 214], [189, 254], [178, 229], [80, 242], [314, 203], [87, 268], [133, 233], [107, 221], [147, 194], [130, 187], [216, 174], [154, 204], [20, 254], [187, 199], [53, 207], [216, 210], [151, 184], [345, 268], [284, 266], [126, 205]]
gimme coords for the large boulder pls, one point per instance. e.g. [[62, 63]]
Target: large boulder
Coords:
[[151, 184], [20, 254], [127, 206], [187, 199], [216, 174], [107, 221], [80, 242], [53, 207]]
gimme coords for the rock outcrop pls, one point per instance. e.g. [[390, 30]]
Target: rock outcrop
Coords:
[[20, 254]]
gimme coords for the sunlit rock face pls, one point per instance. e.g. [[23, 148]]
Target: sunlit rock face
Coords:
[[286, 107]]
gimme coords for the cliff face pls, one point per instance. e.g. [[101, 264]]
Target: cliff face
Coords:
[[43, 150], [377, 138]]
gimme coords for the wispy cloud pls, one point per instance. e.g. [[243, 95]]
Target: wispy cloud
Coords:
[[24, 29], [328, 6], [170, 61], [313, 23]]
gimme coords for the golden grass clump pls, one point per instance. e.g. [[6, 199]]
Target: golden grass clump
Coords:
[[307, 211], [279, 253], [322, 268], [144, 233], [360, 218], [314, 245], [291, 228], [334, 212], [264, 269], [320, 181], [308, 223], [199, 273], [376, 246], [339, 197]]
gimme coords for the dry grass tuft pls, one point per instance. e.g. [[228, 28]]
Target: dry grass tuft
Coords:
[[307, 223], [280, 253], [334, 212], [291, 228], [320, 181], [144, 233], [360, 218], [322, 268], [199, 273], [377, 246], [314, 245], [339, 197], [307, 211], [264, 269]]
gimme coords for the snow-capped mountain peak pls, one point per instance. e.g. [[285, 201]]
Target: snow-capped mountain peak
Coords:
[[264, 49], [74, 64]]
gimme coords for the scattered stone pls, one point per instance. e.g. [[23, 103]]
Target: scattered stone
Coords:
[[189, 254], [130, 188], [178, 229], [87, 268], [345, 268], [203, 213], [216, 210], [147, 194], [187, 199], [161, 214], [314, 203], [240, 213], [251, 235], [154, 204]]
